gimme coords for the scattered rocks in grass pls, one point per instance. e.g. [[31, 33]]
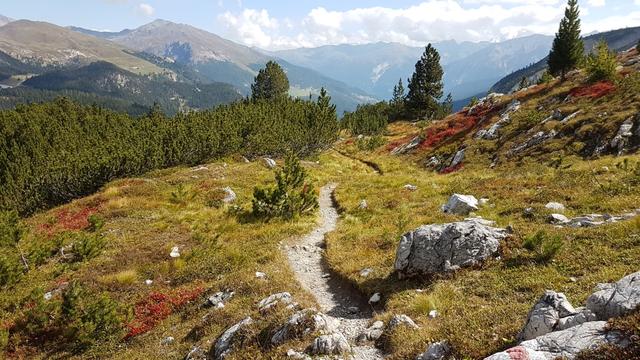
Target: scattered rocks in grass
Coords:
[[555, 206], [405, 148], [219, 299], [196, 353], [225, 344], [301, 323], [529, 212], [622, 138], [457, 159], [230, 195], [616, 299], [167, 341], [48, 295], [363, 205], [372, 333], [537, 139], [148, 282], [435, 351], [401, 320], [260, 275], [545, 314], [410, 187], [366, 272], [444, 248], [483, 202], [460, 204], [558, 219], [375, 298], [175, 252], [334, 344], [270, 302], [269, 162], [433, 314]]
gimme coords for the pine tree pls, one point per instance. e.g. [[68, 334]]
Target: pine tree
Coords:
[[425, 85], [524, 83], [601, 65], [397, 102], [568, 49], [271, 83], [638, 46]]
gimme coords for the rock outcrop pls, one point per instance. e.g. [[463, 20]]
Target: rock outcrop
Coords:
[[333, 344], [617, 299], [443, 248], [301, 323], [272, 301], [435, 351], [546, 314], [460, 205], [226, 343]]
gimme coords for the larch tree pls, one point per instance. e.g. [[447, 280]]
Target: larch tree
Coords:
[[568, 49]]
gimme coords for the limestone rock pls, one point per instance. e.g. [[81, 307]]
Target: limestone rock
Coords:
[[334, 344], [269, 162], [175, 252], [558, 219], [555, 206], [410, 187], [401, 320], [617, 299], [537, 139], [230, 195], [301, 323], [583, 316], [621, 140], [273, 300], [375, 298], [225, 344], [458, 158], [443, 248], [460, 204], [218, 299], [545, 315], [403, 149], [435, 351], [363, 205], [372, 333]]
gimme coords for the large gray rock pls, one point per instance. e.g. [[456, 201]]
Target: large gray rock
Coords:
[[219, 299], [537, 139], [301, 323], [621, 140], [617, 299], [458, 158], [372, 333], [435, 351], [405, 148], [460, 204], [334, 344], [230, 196], [545, 315], [226, 342], [447, 247], [401, 320], [563, 344], [273, 300]]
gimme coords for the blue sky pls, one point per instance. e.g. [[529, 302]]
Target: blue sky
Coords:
[[287, 24]]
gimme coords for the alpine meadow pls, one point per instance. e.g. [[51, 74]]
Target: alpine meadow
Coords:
[[386, 180]]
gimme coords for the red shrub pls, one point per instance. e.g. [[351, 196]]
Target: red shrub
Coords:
[[442, 131], [157, 307], [594, 91], [451, 169], [67, 220]]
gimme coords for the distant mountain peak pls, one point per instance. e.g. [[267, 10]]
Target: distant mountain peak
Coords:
[[5, 20]]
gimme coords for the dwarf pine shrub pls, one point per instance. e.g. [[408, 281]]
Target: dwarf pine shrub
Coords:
[[543, 246], [291, 196], [601, 65]]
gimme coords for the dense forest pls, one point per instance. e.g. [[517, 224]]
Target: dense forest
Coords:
[[53, 152]]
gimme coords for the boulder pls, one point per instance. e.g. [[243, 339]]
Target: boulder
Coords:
[[545, 315], [617, 299], [460, 204], [621, 140], [225, 344], [401, 320], [269, 162], [273, 300], [372, 333], [402, 149], [443, 248], [458, 158], [563, 344], [558, 219], [218, 299], [435, 351], [334, 344], [301, 323], [230, 195], [583, 316]]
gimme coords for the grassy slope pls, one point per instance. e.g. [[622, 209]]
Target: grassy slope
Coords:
[[481, 309]]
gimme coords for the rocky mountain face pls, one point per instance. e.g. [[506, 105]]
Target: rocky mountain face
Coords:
[[221, 60], [470, 68], [5, 20]]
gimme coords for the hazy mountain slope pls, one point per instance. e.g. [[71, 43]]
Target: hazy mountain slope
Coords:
[[5, 20], [218, 59], [618, 40], [470, 68], [106, 79], [100, 34]]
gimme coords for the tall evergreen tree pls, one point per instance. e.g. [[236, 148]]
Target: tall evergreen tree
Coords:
[[271, 83], [568, 49], [425, 85], [397, 102]]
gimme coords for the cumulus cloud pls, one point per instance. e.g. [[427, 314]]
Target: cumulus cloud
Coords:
[[146, 9], [596, 3], [428, 21]]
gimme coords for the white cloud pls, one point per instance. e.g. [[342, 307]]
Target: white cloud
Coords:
[[146, 10], [596, 3], [428, 21]]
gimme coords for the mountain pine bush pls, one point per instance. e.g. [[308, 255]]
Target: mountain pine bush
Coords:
[[291, 196], [601, 65]]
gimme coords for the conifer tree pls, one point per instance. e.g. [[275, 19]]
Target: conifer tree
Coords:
[[271, 83], [425, 85], [568, 49], [397, 102]]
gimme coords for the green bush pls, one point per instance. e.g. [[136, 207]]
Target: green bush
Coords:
[[11, 230], [601, 65], [87, 246], [546, 78], [10, 267], [543, 246], [368, 119], [370, 143], [291, 196]]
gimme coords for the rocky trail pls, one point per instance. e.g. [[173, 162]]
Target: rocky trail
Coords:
[[337, 298]]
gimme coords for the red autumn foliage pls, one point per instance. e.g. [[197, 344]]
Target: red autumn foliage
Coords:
[[67, 220], [157, 307], [458, 124], [594, 91], [452, 169]]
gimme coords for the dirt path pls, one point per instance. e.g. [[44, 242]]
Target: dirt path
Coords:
[[375, 167], [336, 298]]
